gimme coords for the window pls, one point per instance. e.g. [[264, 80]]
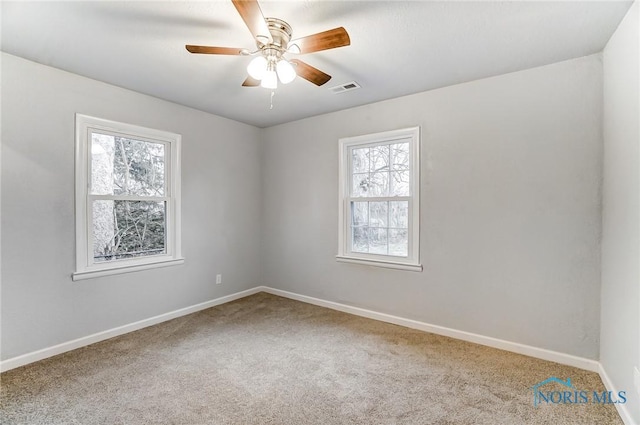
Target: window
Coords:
[[127, 198], [379, 199]]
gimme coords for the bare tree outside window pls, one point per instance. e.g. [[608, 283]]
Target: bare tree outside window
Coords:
[[380, 226], [131, 170]]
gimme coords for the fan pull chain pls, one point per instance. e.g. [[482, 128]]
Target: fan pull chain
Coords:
[[272, 94]]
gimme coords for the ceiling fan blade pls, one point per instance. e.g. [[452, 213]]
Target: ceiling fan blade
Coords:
[[337, 37], [211, 50], [310, 73], [250, 82], [252, 16]]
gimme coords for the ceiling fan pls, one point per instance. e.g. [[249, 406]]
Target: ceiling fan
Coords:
[[273, 40]]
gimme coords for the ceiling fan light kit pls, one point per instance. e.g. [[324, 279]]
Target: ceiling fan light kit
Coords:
[[285, 71], [273, 39], [271, 65], [270, 79], [257, 67]]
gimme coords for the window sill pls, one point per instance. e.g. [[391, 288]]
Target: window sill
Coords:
[[90, 274], [379, 263]]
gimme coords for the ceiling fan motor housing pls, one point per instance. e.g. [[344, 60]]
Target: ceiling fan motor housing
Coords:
[[281, 35]]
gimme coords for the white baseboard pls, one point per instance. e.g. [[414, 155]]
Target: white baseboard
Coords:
[[44, 353], [540, 353], [527, 350], [623, 409]]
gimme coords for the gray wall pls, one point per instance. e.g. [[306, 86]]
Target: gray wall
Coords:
[[511, 172], [619, 350], [510, 207], [41, 306]]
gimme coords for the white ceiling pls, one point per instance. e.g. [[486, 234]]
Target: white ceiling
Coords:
[[397, 47]]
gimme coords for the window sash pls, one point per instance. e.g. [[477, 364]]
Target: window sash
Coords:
[[167, 157], [389, 170], [168, 236], [349, 226]]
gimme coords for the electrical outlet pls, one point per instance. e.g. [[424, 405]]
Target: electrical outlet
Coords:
[[636, 379], [218, 279]]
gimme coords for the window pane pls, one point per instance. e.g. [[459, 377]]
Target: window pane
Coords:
[[360, 213], [398, 242], [360, 160], [124, 166], [399, 214], [378, 185], [102, 153], [370, 185], [378, 214], [399, 185], [377, 241], [399, 156], [126, 229], [360, 184], [360, 239], [379, 158]]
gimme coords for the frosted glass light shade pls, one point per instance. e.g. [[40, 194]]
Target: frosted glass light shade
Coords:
[[286, 73], [257, 67], [269, 80]]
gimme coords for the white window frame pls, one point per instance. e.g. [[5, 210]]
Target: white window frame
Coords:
[[345, 254], [85, 266]]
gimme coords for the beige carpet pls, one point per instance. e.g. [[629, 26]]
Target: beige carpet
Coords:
[[270, 360]]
